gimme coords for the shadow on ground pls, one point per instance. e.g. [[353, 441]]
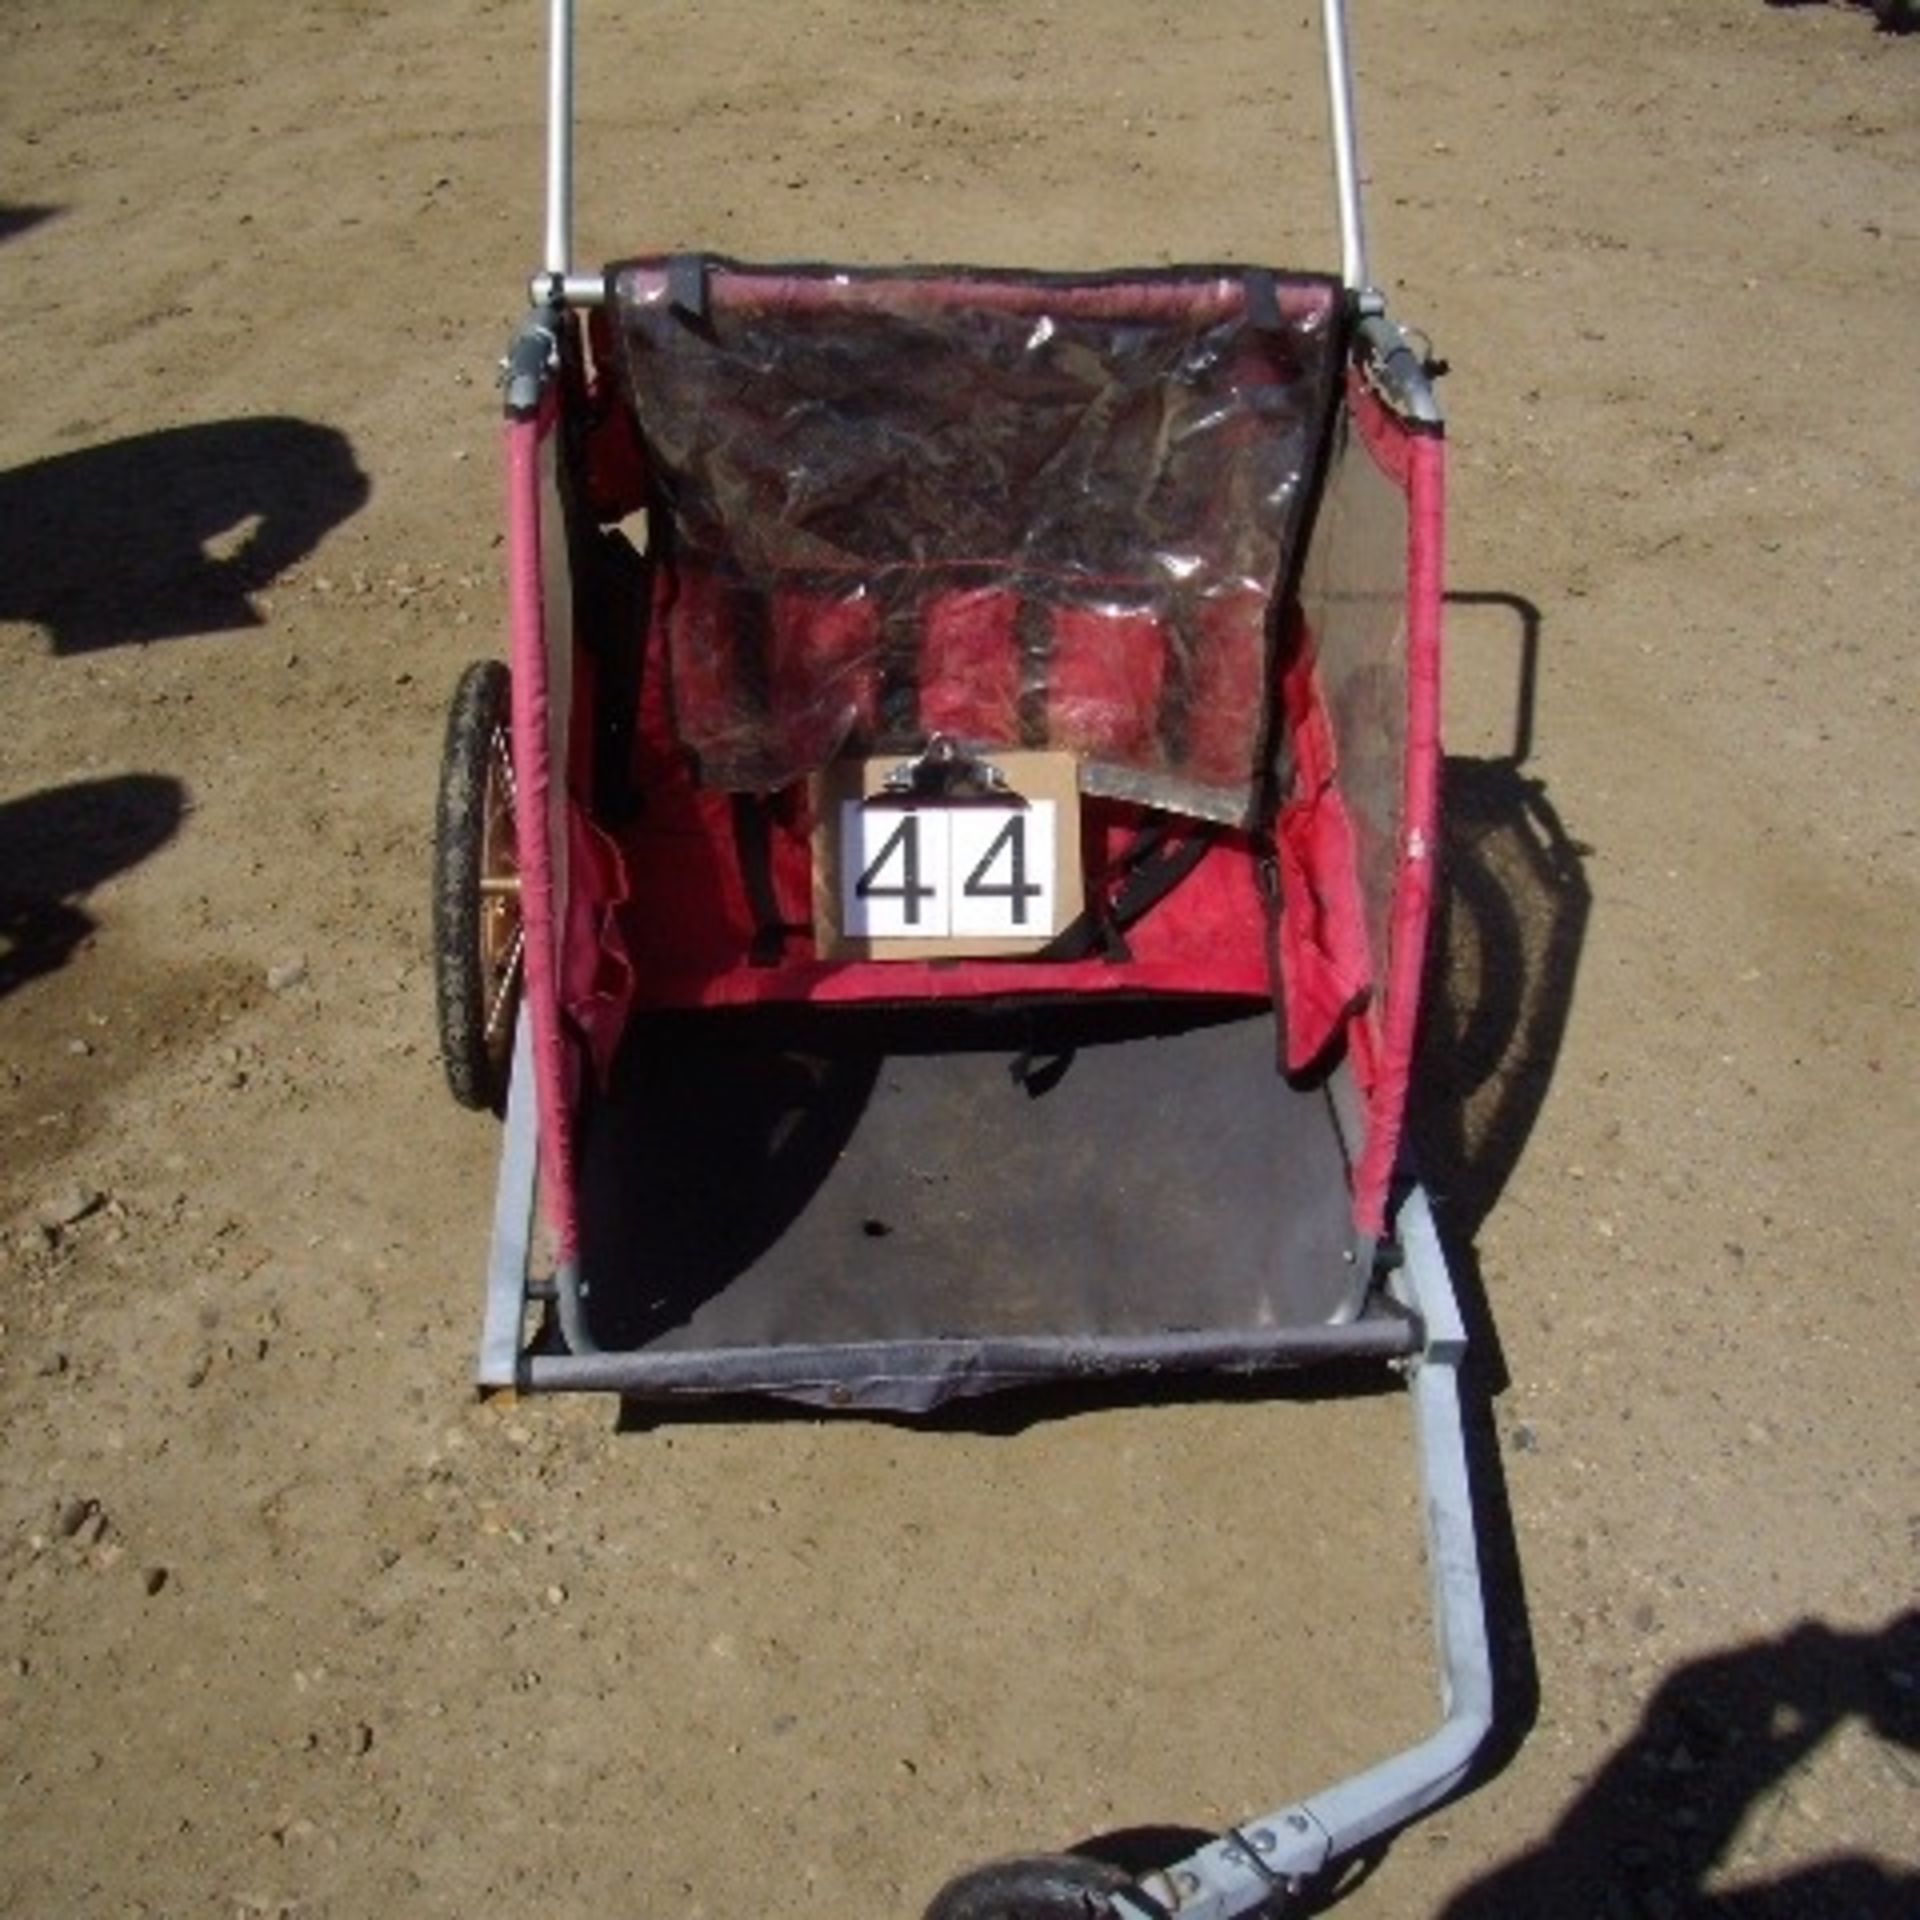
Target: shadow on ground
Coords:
[[1511, 923], [57, 846], [16, 220], [1725, 1738], [1719, 1752], [1892, 16], [168, 533]]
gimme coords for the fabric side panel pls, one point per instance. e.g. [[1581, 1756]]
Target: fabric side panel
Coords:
[[596, 974], [541, 821], [1325, 965], [1424, 456]]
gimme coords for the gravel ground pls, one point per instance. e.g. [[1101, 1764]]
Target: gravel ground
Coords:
[[290, 1624]]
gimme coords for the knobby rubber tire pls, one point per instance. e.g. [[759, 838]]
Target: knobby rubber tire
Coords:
[[1044, 1887], [477, 1065]]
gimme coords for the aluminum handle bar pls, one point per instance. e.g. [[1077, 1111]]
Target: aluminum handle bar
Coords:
[[557, 275]]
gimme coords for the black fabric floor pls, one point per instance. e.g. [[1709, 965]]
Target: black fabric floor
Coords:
[[822, 1177]]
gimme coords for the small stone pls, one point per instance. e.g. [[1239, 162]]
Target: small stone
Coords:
[[38, 1239], [69, 1206], [1525, 1440], [79, 1048], [51, 1363], [73, 1515], [287, 973], [1643, 1618], [556, 1596], [152, 1580], [360, 1740], [198, 1368], [92, 1528]]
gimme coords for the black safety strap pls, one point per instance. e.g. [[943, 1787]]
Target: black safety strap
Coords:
[[1136, 1903], [687, 287], [753, 847], [1150, 870], [615, 631], [1035, 631], [899, 703], [1263, 301]]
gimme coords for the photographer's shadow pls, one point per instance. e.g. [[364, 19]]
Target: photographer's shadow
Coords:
[[170, 533], [1719, 1749], [59, 844]]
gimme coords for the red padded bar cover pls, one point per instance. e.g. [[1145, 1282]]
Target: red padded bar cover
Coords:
[[970, 665], [1104, 681], [541, 849]]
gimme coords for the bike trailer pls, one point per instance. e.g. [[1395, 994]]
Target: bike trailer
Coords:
[[940, 890]]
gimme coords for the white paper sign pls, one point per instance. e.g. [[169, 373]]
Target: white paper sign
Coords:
[[894, 872], [1002, 871], [937, 873]]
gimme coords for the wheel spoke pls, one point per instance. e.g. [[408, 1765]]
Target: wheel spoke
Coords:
[[502, 756], [500, 998]]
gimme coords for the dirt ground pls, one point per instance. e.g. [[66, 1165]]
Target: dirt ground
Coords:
[[290, 1623]]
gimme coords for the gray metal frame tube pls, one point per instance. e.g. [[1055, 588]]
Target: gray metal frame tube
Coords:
[[1346, 146], [1237, 1873], [1002, 1360], [558, 257], [513, 1221]]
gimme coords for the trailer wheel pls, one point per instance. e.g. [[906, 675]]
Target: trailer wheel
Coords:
[[479, 940], [1045, 1887]]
